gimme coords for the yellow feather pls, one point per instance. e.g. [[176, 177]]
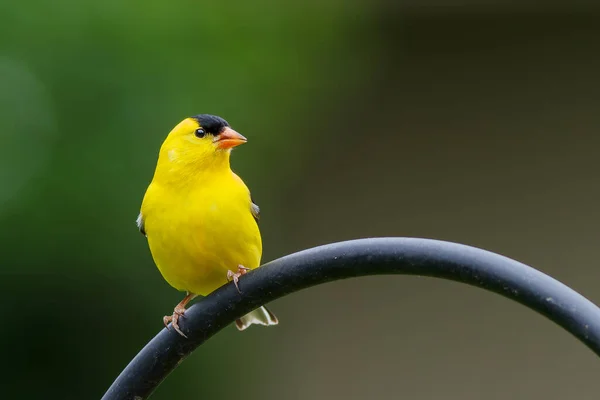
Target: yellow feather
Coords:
[[197, 214]]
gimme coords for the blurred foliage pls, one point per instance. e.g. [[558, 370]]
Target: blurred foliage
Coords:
[[88, 92]]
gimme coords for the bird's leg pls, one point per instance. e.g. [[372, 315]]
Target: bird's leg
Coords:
[[178, 313], [236, 276]]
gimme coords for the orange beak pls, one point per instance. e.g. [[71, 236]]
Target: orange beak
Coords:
[[229, 139]]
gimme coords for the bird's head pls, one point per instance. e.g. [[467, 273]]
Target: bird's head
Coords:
[[203, 140]]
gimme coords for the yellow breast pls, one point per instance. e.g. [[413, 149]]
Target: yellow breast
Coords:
[[200, 230]]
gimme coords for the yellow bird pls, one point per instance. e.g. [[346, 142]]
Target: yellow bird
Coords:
[[198, 215]]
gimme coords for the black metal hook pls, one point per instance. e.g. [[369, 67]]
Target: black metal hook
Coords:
[[377, 256]]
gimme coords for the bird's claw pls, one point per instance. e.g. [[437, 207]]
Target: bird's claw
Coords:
[[236, 276], [174, 320]]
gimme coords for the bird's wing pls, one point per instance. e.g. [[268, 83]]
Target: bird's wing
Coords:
[[255, 209], [140, 224]]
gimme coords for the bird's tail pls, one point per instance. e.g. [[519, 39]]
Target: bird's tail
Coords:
[[260, 316]]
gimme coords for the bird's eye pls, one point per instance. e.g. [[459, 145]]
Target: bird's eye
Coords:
[[200, 133]]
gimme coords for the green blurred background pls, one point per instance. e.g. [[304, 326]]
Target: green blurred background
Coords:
[[474, 123]]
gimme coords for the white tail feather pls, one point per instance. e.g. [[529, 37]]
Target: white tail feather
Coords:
[[260, 316]]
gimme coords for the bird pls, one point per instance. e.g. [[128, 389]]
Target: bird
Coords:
[[199, 218]]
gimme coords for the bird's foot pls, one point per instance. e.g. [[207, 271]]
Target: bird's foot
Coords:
[[174, 319], [178, 312], [236, 276]]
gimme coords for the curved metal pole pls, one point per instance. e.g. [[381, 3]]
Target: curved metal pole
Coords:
[[354, 258]]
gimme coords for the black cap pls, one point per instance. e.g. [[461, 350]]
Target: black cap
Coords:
[[211, 123]]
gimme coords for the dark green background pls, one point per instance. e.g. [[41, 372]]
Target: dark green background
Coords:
[[474, 123]]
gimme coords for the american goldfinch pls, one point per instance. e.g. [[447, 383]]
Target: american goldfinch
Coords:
[[198, 215]]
